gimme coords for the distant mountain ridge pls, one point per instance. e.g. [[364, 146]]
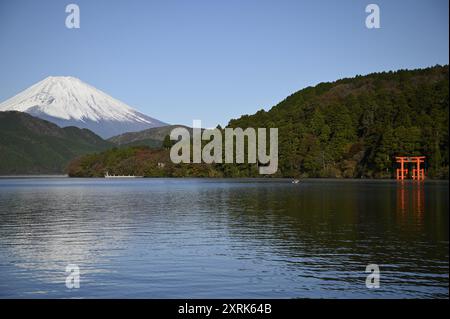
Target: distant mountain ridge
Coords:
[[67, 101], [29, 145], [152, 137]]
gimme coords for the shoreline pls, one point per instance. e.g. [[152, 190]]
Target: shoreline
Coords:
[[34, 176], [262, 178]]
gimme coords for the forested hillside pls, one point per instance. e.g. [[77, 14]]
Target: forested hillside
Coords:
[[29, 145], [350, 128], [354, 127]]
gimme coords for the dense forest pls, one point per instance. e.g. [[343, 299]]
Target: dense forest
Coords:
[[139, 161], [354, 127], [350, 128]]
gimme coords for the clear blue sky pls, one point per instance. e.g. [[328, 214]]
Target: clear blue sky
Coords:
[[213, 60]]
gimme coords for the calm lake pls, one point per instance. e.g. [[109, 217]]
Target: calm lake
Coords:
[[223, 238]]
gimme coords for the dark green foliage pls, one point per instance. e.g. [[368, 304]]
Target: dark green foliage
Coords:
[[137, 160], [350, 128], [167, 143], [355, 127], [156, 144]]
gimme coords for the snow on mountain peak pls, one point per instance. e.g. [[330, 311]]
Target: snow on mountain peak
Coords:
[[68, 98]]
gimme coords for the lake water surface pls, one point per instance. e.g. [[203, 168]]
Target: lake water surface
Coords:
[[223, 238]]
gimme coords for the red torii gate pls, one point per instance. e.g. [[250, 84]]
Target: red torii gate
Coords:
[[417, 173]]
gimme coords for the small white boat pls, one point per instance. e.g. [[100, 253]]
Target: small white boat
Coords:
[[121, 176], [295, 181]]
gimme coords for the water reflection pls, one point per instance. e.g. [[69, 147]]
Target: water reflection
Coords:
[[411, 201], [223, 238]]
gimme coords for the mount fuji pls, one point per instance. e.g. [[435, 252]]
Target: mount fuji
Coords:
[[67, 101]]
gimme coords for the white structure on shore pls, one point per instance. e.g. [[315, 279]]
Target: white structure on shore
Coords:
[[121, 176]]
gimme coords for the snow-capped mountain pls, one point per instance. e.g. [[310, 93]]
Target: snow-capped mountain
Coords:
[[67, 101]]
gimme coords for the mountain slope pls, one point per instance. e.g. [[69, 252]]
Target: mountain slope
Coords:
[[67, 101], [152, 137], [29, 145], [354, 127]]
